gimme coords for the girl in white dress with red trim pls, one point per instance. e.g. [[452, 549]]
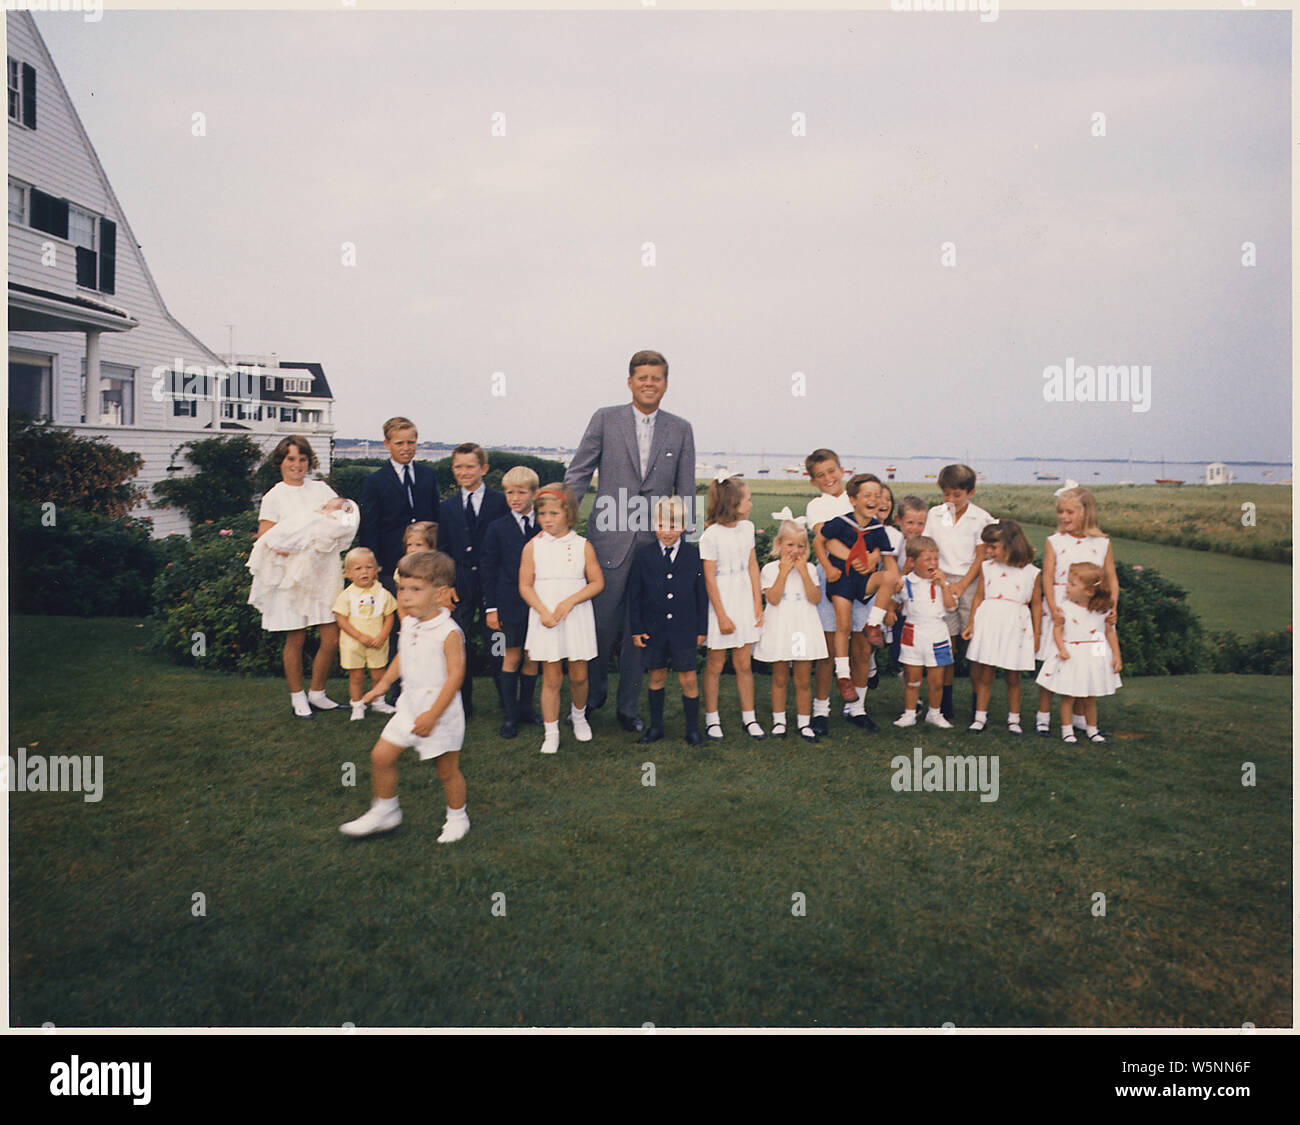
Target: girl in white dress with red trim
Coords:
[[1078, 538], [1006, 615], [558, 576], [1085, 660], [735, 600], [792, 631]]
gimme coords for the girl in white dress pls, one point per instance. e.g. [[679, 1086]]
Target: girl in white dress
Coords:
[[1085, 661], [1006, 615], [1078, 539], [558, 577], [792, 631], [735, 601], [294, 609]]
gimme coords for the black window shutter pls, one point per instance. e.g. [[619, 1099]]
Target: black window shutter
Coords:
[[49, 214], [86, 271], [29, 96], [107, 256]]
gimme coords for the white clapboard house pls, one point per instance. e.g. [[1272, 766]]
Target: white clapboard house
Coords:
[[91, 343]]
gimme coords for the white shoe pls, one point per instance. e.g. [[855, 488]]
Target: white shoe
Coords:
[[320, 701], [358, 712], [383, 707], [300, 706], [454, 830], [581, 728], [551, 743], [375, 820], [936, 719], [906, 719]]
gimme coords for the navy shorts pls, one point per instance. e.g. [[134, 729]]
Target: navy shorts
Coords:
[[659, 652], [514, 631]]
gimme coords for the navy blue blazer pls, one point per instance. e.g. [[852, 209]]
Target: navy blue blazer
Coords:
[[674, 600], [502, 547], [386, 512], [454, 539]]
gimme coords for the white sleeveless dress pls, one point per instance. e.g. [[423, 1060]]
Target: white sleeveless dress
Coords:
[[1069, 549], [559, 570], [1003, 634], [791, 628], [1088, 673]]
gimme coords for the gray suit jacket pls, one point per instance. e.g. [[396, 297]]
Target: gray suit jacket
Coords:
[[614, 527]]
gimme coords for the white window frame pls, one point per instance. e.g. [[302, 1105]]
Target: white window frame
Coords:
[[21, 189], [14, 84], [92, 220]]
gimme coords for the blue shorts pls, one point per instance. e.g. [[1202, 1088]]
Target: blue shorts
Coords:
[[826, 608], [513, 631], [660, 652]]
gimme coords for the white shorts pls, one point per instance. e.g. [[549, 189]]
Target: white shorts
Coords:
[[447, 736], [929, 647], [826, 608]]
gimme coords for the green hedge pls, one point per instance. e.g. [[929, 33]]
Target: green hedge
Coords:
[[201, 594], [83, 564]]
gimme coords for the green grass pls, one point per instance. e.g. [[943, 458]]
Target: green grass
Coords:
[[625, 903]]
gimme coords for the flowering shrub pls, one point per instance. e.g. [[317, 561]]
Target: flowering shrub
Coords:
[[201, 614]]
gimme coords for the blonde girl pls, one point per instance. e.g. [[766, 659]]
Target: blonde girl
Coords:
[[1085, 660], [558, 577], [1078, 538], [792, 633]]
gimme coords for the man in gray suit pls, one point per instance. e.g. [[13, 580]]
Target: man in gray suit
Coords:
[[640, 453]]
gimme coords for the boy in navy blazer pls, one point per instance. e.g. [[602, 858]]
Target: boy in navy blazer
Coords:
[[506, 612], [668, 608], [463, 521], [395, 496]]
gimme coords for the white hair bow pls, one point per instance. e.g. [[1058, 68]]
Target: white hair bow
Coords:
[[724, 475], [785, 514], [1069, 484]]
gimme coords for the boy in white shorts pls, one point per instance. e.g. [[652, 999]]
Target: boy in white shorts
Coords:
[[430, 718], [364, 611], [927, 599], [955, 525]]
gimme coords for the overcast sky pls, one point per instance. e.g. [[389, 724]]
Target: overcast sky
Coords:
[[773, 253]]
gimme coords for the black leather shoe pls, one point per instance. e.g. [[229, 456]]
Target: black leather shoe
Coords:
[[694, 738], [864, 721], [821, 724], [630, 722], [872, 681], [652, 734], [532, 719], [595, 704], [509, 729]]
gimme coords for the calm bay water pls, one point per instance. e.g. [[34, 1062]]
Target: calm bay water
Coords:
[[995, 471]]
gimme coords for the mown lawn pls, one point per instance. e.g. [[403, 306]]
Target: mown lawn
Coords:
[[627, 904]]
